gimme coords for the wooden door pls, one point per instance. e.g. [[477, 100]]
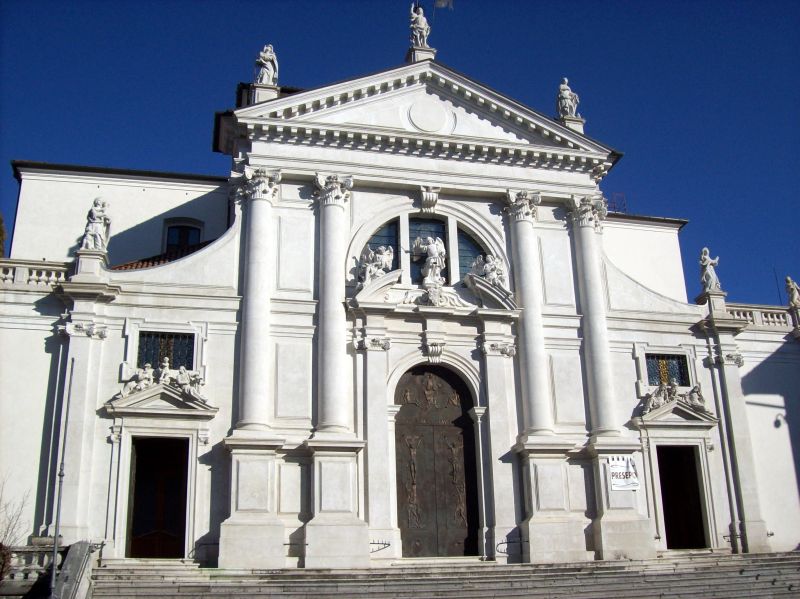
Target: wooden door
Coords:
[[436, 465]]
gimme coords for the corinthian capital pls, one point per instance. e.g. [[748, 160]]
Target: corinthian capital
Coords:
[[522, 205], [588, 211], [332, 189], [257, 184]]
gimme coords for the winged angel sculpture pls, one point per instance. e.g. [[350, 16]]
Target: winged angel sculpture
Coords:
[[375, 263]]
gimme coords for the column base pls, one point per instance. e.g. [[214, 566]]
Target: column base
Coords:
[[252, 544], [755, 536], [379, 552], [333, 542], [554, 540], [624, 537]]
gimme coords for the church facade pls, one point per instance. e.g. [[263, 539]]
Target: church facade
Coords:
[[406, 326]]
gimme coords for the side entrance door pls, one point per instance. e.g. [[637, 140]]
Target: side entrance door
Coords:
[[436, 465]]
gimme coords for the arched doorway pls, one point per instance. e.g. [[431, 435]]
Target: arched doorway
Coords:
[[437, 486]]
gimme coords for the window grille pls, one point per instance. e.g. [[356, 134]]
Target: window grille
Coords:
[[423, 227], [154, 347], [387, 236], [468, 250], [662, 368]]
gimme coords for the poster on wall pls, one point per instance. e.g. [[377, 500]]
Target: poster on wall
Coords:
[[623, 473]]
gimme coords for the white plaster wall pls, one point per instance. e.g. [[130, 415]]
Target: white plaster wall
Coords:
[[648, 253], [771, 382], [51, 214]]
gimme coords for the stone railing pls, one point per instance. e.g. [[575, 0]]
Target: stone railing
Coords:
[[30, 562], [29, 273], [773, 318]]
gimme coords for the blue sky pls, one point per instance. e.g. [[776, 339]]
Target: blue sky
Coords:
[[702, 97]]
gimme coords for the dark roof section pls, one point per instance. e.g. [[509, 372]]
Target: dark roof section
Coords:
[[48, 166], [678, 222], [164, 258]]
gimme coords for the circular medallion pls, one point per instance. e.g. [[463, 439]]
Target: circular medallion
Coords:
[[427, 115]]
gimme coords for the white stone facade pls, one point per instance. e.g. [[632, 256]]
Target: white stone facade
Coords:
[[292, 447]]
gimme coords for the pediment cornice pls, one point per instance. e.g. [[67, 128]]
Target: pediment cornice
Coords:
[[676, 414], [160, 401], [534, 140]]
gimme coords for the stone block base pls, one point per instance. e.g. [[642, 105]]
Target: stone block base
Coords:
[[392, 552], [555, 540], [624, 538], [756, 536], [252, 545], [337, 543]]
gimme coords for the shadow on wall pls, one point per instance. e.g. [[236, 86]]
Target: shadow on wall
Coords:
[[778, 376], [146, 238]]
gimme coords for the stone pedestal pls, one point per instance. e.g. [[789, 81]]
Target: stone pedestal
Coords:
[[261, 92], [253, 536], [552, 532], [417, 54], [575, 123], [620, 531], [89, 266], [336, 537]]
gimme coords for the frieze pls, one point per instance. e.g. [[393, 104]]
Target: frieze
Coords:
[[509, 350], [88, 329]]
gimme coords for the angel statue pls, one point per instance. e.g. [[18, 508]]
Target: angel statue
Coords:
[[708, 276], [375, 263], [435, 261], [267, 64], [420, 30]]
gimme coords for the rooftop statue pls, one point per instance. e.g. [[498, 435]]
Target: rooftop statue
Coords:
[[95, 236], [420, 30], [708, 276], [267, 63], [793, 293], [567, 101]]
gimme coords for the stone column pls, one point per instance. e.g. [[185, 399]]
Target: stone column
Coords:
[[586, 215], [534, 377], [258, 191], [253, 535], [335, 537], [334, 406]]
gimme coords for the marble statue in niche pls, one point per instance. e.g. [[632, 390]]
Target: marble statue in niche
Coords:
[[95, 236]]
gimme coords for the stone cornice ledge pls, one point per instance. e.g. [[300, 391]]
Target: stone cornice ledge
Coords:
[[98, 292], [334, 444]]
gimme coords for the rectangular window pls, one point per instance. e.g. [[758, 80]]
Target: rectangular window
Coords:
[[154, 347], [662, 368]]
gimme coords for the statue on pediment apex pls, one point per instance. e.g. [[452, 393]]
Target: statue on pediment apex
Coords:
[[567, 101], [267, 65], [95, 236], [793, 293], [708, 274], [420, 30]]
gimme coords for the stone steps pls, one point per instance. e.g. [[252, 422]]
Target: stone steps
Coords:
[[690, 576]]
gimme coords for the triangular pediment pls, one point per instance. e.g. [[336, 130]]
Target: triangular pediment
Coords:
[[427, 108], [160, 401], [677, 413]]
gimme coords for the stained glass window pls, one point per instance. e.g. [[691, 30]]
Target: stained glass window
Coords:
[[468, 250], [424, 227], [154, 347], [387, 236], [662, 368]]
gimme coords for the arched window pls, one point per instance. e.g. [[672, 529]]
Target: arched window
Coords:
[[468, 250]]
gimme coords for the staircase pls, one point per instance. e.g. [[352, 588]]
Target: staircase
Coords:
[[674, 576]]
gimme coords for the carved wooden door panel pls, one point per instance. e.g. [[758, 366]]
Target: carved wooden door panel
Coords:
[[436, 468]]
